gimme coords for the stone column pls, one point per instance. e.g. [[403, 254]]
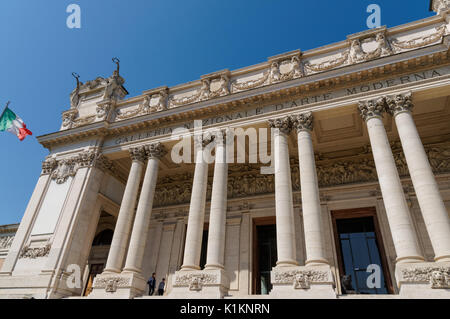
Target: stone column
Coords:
[[283, 194], [427, 191], [218, 213], [126, 213], [403, 234], [138, 238], [194, 232], [312, 219]]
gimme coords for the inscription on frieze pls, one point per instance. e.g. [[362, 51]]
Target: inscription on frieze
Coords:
[[304, 101]]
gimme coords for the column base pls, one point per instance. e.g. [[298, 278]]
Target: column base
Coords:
[[424, 280], [208, 283], [300, 282], [126, 285]]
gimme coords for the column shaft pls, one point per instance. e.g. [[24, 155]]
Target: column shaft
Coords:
[[312, 213], [138, 238], [217, 219], [283, 195], [124, 221], [430, 201], [196, 217], [400, 222]]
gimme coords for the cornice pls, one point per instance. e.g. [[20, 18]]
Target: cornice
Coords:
[[369, 69]]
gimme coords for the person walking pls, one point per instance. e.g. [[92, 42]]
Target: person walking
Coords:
[[151, 284], [161, 286]]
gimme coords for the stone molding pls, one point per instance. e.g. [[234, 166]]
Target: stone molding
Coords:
[[440, 6], [302, 121]]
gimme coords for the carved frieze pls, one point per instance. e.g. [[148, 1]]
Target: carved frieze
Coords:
[[110, 284], [300, 279], [421, 41], [438, 277], [36, 252], [195, 281]]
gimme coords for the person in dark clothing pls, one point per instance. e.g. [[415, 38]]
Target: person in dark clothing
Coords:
[[151, 284], [161, 287]]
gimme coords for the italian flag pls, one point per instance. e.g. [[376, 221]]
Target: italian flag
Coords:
[[10, 122]]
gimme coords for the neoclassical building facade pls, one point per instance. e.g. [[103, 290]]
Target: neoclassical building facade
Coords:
[[329, 178]]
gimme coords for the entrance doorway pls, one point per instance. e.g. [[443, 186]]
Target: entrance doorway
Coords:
[[360, 252], [264, 254]]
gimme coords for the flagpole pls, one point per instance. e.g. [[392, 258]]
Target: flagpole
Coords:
[[7, 103]]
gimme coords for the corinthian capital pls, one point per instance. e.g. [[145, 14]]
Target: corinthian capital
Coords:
[[372, 108], [302, 121], [137, 153], [399, 103], [284, 124], [205, 138], [48, 166], [155, 150]]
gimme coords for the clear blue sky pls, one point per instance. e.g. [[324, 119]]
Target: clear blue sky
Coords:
[[158, 42]]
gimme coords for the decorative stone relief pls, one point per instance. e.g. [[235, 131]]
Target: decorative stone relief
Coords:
[[6, 241], [358, 55], [438, 277], [103, 110], [250, 84], [422, 41], [328, 64], [195, 281], [223, 87], [110, 284], [144, 108], [33, 253], [61, 170], [440, 6], [300, 279], [48, 165]]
